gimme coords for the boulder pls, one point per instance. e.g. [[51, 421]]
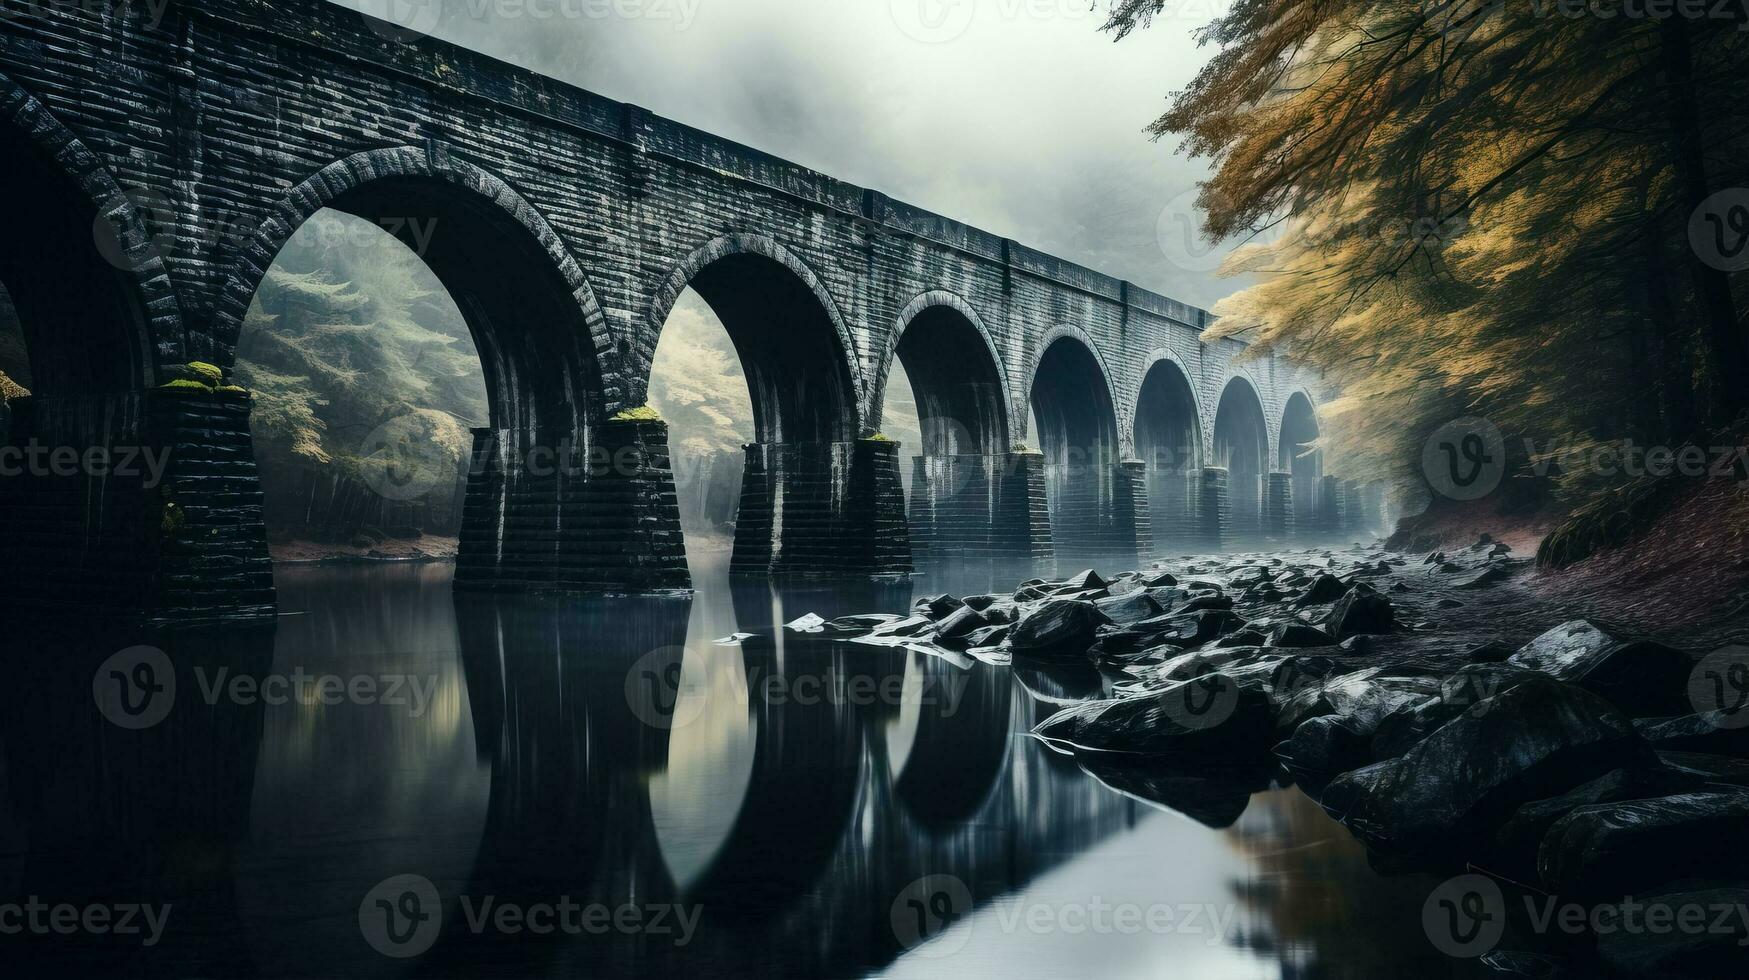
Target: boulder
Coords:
[[959, 625], [1131, 608], [1718, 948], [1086, 580], [1362, 609], [1368, 697], [1710, 732], [1610, 850], [1515, 844], [1202, 602], [1321, 749], [1491, 575], [1060, 627], [989, 636], [936, 606], [1299, 635], [1202, 722], [1643, 679], [1324, 589], [1537, 739]]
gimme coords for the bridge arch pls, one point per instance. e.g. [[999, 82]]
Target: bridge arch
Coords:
[[549, 361], [956, 375], [1300, 425], [1073, 403], [796, 350], [1168, 417], [1240, 441], [84, 255]]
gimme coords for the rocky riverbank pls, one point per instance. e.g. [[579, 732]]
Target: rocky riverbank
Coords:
[[1440, 706]]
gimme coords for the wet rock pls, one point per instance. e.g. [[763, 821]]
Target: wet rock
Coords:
[[1355, 644], [1628, 848], [1643, 679], [1449, 604], [1244, 638], [1726, 770], [1131, 608], [1299, 635], [1005, 611], [1202, 602], [959, 625], [912, 626], [1368, 697], [989, 636], [1031, 593], [1491, 575], [1719, 948], [1538, 739], [1362, 609], [937, 606], [1158, 579], [1324, 589], [1083, 581], [810, 623], [1321, 749], [1517, 842], [1202, 722], [981, 602], [1060, 627], [1215, 800], [1206, 626], [1708, 732], [860, 625]]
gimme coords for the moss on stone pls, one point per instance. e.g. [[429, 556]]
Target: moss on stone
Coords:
[[183, 384], [642, 413], [211, 372], [877, 437]]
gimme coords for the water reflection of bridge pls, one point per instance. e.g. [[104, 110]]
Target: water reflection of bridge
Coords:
[[794, 822]]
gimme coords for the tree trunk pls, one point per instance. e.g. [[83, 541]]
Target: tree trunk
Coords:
[[1726, 355], [1667, 346]]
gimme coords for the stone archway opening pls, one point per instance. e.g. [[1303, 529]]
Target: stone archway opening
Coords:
[[943, 369], [80, 321], [367, 387], [1169, 443], [1076, 429], [547, 481], [1304, 464], [698, 387], [812, 491], [1241, 447]]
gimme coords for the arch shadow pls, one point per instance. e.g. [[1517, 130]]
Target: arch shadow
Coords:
[[1300, 427], [1077, 420], [551, 367], [1241, 446], [1168, 439]]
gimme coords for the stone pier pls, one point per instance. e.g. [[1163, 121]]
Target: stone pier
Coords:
[[140, 506], [822, 510]]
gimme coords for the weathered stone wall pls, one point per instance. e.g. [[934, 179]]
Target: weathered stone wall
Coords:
[[224, 111], [567, 225]]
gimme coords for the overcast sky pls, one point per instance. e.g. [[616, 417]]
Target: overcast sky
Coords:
[[1018, 116]]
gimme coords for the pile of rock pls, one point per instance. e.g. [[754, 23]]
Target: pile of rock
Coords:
[[1578, 763]]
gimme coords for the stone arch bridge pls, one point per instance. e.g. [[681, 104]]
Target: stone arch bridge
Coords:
[[169, 150]]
